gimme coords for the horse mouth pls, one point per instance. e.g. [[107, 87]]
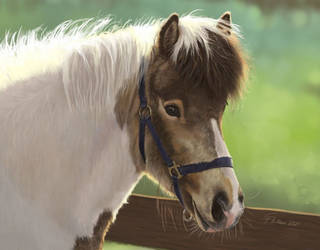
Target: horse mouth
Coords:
[[204, 225]]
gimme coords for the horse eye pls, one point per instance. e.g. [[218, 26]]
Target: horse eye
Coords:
[[172, 110]]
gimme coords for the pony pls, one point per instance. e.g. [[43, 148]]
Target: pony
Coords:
[[69, 125]]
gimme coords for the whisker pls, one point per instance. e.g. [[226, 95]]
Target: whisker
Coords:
[[209, 236], [172, 218], [254, 195], [221, 238], [213, 235], [165, 215], [236, 231], [161, 204], [241, 228], [193, 230], [193, 227], [230, 233], [162, 216], [248, 223], [184, 225]]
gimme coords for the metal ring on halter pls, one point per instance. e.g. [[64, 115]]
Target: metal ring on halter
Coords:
[[145, 112], [187, 217], [174, 171]]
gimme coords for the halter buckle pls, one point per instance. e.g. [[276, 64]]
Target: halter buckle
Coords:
[[174, 171], [145, 112]]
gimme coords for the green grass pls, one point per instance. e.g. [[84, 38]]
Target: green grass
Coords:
[[277, 165], [273, 133]]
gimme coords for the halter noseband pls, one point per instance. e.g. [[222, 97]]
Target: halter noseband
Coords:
[[176, 171]]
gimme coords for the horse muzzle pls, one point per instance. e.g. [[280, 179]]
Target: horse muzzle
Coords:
[[219, 217]]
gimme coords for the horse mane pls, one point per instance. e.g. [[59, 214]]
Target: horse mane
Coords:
[[205, 55], [96, 58], [24, 54]]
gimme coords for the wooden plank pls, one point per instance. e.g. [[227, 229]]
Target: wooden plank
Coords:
[[157, 222]]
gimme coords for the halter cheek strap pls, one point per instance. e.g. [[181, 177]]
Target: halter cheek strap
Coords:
[[176, 171]]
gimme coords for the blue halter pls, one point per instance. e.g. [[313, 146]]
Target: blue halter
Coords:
[[176, 171]]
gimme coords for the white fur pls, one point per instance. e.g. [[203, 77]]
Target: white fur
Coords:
[[193, 29], [222, 150], [59, 169], [220, 145], [63, 157]]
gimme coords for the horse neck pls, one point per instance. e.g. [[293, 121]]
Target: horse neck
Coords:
[[85, 153], [94, 74]]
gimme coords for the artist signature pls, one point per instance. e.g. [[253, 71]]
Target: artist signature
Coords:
[[274, 220]]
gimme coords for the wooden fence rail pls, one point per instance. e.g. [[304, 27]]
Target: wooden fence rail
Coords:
[[157, 222]]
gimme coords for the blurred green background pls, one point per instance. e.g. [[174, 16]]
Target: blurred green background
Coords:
[[273, 133]]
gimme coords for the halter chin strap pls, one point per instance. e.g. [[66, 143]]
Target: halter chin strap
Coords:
[[176, 171]]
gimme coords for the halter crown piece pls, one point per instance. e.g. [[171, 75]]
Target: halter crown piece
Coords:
[[176, 171]]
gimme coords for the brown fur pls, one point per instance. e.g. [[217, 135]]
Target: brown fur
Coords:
[[126, 111], [226, 17], [168, 35], [95, 242], [203, 84], [220, 73]]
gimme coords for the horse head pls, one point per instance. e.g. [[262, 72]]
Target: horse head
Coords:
[[192, 73]]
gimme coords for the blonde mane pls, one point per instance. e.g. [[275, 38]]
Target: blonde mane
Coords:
[[96, 57]]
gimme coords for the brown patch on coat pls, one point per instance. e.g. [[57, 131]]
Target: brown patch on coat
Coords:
[[191, 183], [169, 35], [221, 72], [126, 112], [95, 242]]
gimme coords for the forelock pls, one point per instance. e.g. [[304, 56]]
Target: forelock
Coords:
[[206, 56]]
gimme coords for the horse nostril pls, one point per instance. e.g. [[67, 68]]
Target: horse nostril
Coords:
[[219, 204], [241, 198]]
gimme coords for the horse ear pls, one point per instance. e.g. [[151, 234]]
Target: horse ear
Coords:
[[169, 35], [224, 23], [226, 17]]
